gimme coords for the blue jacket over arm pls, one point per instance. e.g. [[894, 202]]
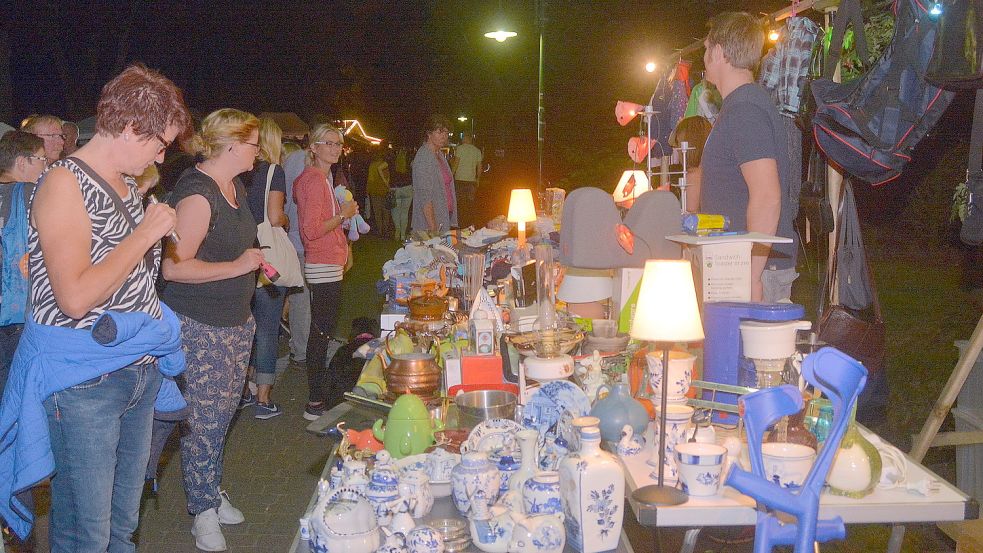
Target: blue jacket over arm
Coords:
[[52, 358]]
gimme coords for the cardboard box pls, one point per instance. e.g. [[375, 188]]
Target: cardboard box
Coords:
[[722, 271], [626, 281], [722, 264], [452, 368], [389, 318]]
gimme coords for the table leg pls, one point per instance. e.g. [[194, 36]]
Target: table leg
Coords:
[[689, 540], [896, 539]]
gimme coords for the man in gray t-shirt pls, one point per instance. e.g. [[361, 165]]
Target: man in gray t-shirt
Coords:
[[746, 167]]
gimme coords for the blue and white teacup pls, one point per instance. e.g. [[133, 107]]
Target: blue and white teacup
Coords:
[[700, 467], [787, 464]]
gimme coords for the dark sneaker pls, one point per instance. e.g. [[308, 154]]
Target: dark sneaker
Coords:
[[267, 410], [313, 411], [246, 401]]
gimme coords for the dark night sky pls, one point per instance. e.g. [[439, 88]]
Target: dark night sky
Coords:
[[389, 64]]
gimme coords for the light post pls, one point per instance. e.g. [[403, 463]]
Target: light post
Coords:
[[502, 36], [464, 119]]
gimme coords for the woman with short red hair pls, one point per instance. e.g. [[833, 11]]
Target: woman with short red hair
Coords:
[[94, 250]]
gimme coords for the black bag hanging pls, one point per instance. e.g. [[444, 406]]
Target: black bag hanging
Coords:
[[971, 232], [814, 203], [957, 62]]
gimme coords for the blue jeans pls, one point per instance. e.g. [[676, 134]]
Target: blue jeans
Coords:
[[100, 438], [299, 313], [267, 311], [402, 198]]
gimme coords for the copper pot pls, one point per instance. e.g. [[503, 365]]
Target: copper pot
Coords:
[[416, 373]]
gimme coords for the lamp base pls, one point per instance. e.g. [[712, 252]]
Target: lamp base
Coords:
[[659, 496]]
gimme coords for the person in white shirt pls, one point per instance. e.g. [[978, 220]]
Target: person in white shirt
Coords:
[[466, 172]]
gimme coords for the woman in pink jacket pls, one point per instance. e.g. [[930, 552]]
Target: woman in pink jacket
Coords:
[[326, 252]]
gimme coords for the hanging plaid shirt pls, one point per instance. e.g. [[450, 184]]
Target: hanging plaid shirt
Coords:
[[785, 68]]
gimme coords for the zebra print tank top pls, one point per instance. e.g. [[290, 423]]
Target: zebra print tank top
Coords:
[[109, 228]]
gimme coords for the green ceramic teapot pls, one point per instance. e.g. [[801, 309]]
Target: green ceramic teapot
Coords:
[[409, 430]]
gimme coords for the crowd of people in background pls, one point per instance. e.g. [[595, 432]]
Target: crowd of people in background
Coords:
[[141, 261]]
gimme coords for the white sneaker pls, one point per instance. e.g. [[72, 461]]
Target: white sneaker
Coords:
[[227, 514], [208, 532]]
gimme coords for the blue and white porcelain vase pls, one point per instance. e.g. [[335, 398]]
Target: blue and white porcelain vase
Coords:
[[529, 446], [678, 421], [383, 488], [475, 472], [593, 484], [541, 494], [507, 465]]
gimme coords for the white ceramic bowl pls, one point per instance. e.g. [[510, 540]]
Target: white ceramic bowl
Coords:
[[440, 489], [787, 464]]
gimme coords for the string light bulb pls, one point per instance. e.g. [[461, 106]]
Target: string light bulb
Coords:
[[935, 10], [773, 35]]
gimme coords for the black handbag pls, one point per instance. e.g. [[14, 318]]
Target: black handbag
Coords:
[[814, 204], [854, 324], [957, 62]]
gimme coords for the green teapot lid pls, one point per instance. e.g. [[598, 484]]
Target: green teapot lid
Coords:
[[408, 407]]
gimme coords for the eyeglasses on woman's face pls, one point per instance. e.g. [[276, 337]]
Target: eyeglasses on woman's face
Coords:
[[164, 145], [52, 135], [331, 143], [40, 158]]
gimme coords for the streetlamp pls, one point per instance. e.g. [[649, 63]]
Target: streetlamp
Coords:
[[464, 119], [502, 36]]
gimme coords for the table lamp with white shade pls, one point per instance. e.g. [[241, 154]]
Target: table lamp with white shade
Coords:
[[521, 211], [666, 312]]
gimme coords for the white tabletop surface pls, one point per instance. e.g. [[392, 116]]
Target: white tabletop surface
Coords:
[[732, 508]]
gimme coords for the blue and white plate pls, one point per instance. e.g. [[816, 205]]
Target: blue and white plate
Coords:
[[492, 436], [552, 408]]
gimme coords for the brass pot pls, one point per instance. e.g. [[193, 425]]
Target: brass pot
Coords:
[[428, 308], [416, 373]]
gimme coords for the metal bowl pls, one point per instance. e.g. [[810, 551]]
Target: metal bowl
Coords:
[[450, 528], [481, 405]]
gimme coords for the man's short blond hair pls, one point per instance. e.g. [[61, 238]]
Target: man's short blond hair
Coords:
[[740, 36]]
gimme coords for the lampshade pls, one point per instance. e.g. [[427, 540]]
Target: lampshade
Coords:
[[666, 310], [626, 111], [521, 208], [585, 285], [638, 148], [632, 185]]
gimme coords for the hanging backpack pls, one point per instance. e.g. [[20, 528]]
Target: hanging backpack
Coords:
[[13, 239], [869, 126]]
